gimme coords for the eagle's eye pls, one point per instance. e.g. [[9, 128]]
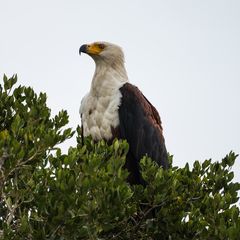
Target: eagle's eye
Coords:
[[101, 46]]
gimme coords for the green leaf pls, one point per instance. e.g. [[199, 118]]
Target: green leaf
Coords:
[[8, 83], [233, 233]]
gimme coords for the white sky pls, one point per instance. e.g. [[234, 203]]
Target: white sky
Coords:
[[183, 55]]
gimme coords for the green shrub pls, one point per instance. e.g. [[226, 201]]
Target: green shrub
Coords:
[[45, 194]]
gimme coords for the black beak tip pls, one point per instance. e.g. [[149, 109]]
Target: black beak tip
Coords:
[[83, 49]]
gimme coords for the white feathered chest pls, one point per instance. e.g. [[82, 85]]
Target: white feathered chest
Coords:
[[100, 114], [99, 108]]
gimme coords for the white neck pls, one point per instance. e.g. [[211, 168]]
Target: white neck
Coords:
[[108, 77]]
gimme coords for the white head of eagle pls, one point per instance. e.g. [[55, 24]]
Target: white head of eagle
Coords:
[[114, 108]]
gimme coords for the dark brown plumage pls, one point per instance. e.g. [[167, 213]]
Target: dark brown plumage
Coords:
[[140, 125]]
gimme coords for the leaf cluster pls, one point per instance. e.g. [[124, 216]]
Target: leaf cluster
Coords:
[[83, 194]]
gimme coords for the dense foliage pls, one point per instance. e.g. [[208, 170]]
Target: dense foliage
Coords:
[[45, 194]]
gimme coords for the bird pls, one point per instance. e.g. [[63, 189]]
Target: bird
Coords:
[[115, 108]]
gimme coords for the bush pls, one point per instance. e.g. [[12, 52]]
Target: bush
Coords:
[[45, 194]]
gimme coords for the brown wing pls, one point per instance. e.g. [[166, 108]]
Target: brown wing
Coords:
[[140, 125]]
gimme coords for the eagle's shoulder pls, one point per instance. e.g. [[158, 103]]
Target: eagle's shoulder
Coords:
[[134, 98]]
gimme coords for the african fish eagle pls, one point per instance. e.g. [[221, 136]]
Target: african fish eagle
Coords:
[[114, 108]]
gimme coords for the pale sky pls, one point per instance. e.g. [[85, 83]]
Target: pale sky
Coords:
[[183, 55]]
